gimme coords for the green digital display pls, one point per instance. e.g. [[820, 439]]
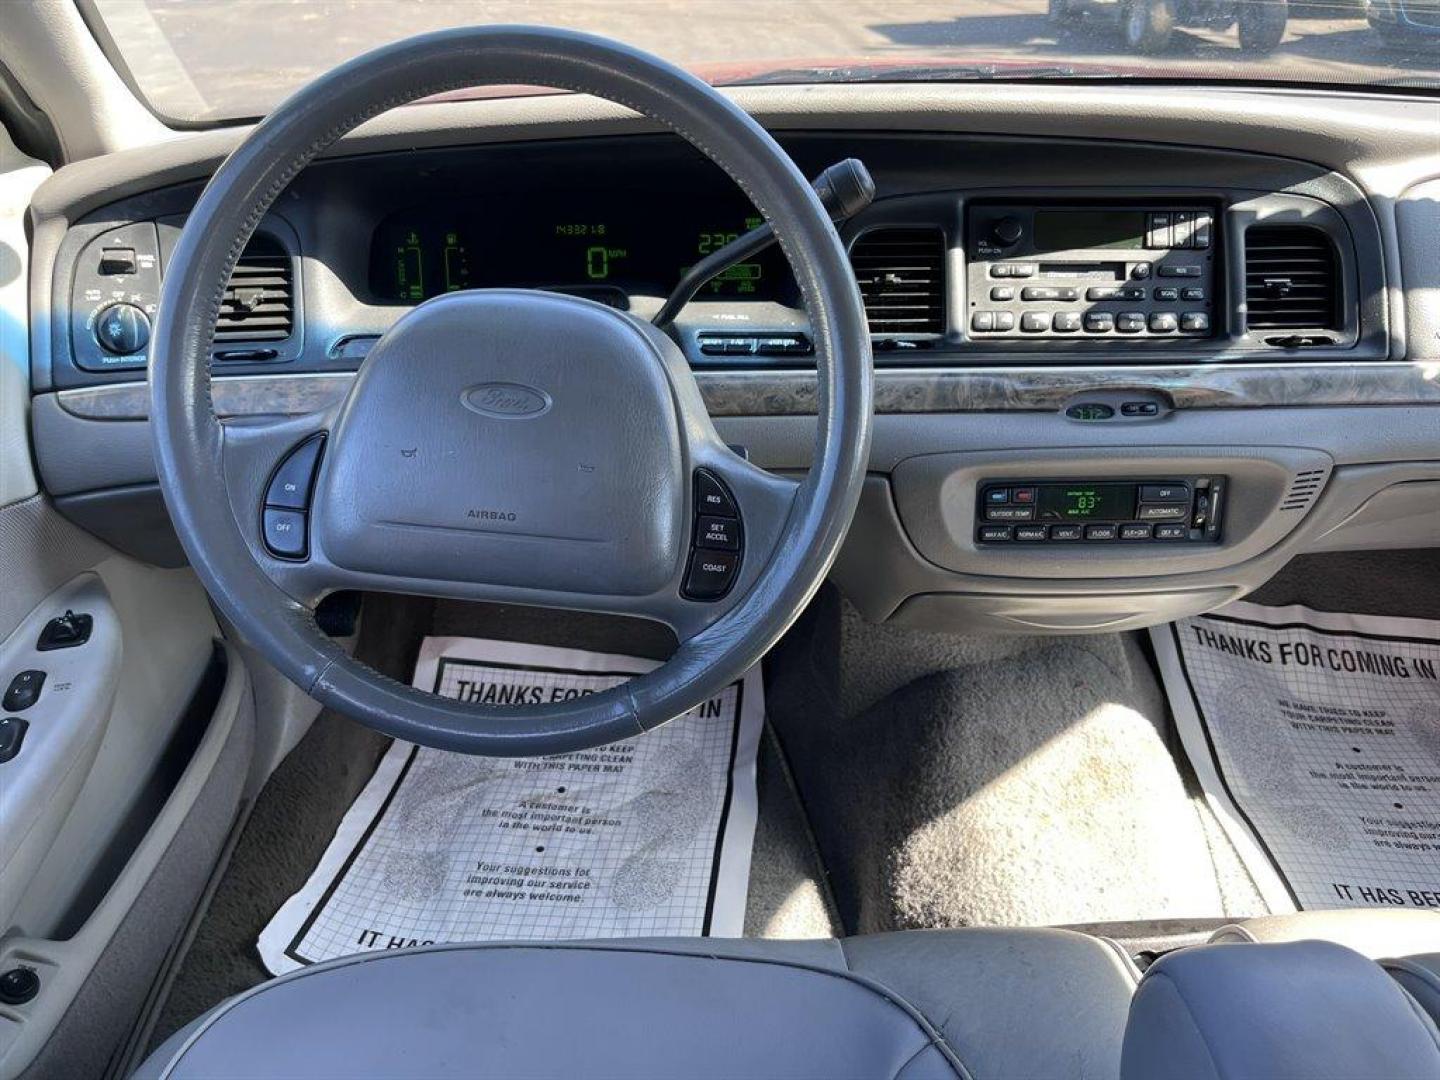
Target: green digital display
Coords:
[[614, 242], [1087, 502]]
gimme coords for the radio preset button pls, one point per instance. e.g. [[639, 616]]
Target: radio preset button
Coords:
[[1134, 530], [1102, 531], [992, 533], [1163, 322], [1130, 322], [1034, 322], [1164, 493], [1030, 532], [1157, 229], [1195, 322], [1010, 513], [1099, 322], [1174, 512], [1066, 322], [1171, 532], [1065, 532]]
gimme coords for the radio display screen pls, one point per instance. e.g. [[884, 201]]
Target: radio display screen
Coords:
[[1087, 502], [1076, 230]]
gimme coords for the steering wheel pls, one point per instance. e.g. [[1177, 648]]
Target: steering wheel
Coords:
[[508, 445]]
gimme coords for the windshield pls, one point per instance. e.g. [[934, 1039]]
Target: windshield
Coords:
[[207, 61]]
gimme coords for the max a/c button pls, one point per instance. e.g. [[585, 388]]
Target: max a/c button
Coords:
[[710, 574]]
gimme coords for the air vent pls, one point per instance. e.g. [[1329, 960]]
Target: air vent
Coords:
[[901, 273], [259, 301], [1291, 279], [1304, 488]]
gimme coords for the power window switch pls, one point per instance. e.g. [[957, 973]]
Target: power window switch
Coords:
[[23, 691], [65, 632], [12, 734]]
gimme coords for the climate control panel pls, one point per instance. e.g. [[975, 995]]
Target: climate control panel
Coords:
[[1185, 509]]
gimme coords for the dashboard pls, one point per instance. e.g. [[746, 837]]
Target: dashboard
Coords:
[[1125, 369]]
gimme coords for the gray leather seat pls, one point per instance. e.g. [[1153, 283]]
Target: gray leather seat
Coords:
[[969, 1003]]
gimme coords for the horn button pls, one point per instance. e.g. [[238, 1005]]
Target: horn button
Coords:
[[512, 438]]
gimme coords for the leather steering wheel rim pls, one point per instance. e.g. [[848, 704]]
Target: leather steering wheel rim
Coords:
[[189, 441]]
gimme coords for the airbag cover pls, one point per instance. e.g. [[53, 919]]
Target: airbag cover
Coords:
[[509, 437]]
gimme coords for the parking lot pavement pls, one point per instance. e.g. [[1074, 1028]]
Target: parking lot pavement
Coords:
[[240, 54]]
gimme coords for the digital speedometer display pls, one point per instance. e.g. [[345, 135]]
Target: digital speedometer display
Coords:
[[605, 243]]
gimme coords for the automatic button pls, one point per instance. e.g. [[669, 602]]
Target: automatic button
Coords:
[[285, 533], [1162, 322], [717, 533], [1176, 512], [290, 486], [710, 574]]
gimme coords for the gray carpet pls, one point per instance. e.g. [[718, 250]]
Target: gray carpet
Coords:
[[299, 809], [1016, 781]]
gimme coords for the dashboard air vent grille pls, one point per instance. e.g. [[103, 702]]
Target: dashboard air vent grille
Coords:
[[259, 301], [1291, 279], [901, 273], [1303, 489]]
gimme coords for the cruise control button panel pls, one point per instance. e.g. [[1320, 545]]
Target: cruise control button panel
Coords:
[[284, 517], [717, 540], [1118, 511]]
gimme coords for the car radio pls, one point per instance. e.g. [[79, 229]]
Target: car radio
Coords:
[[1171, 510], [1099, 271]]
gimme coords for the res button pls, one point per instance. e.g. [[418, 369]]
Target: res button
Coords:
[[711, 498]]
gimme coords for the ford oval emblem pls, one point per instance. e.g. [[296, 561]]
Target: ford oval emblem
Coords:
[[506, 401]]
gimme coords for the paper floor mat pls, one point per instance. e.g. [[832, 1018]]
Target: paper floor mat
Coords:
[[646, 837], [1316, 737]]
